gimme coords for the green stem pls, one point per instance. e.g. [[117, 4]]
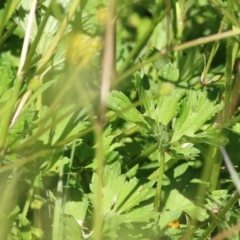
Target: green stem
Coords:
[[206, 172], [228, 13], [205, 176], [228, 72], [215, 170], [28, 201], [58, 209], [213, 51], [180, 47], [97, 220], [157, 199]]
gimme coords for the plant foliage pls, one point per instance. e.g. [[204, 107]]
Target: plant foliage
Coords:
[[116, 117]]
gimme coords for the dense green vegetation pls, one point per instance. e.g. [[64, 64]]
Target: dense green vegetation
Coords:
[[116, 117]]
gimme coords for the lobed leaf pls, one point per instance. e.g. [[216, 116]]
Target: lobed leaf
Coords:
[[168, 106], [168, 216], [169, 73], [176, 201], [6, 77], [196, 110], [119, 195], [77, 209], [121, 104]]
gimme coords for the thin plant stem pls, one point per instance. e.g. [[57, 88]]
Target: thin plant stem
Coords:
[[180, 47], [224, 115], [28, 201], [109, 56], [227, 13], [215, 170], [205, 177], [97, 218], [213, 51], [107, 74], [206, 172], [58, 210], [159, 15], [157, 199], [228, 73]]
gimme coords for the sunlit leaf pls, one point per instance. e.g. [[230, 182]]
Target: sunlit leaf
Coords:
[[119, 195], [142, 214], [176, 201], [169, 73], [6, 77], [77, 210], [168, 106], [167, 217], [196, 110], [71, 228], [121, 104]]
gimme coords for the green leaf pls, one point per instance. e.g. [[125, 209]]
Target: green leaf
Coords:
[[186, 150], [168, 106], [55, 165], [168, 216], [112, 185], [118, 194], [211, 137], [236, 128], [145, 94], [132, 193], [179, 170], [196, 110], [72, 123], [6, 77], [169, 73], [142, 214], [22, 18], [77, 210], [121, 104], [38, 181], [176, 201], [71, 228]]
